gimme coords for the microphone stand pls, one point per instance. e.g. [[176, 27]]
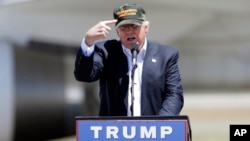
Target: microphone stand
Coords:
[[132, 89], [134, 52]]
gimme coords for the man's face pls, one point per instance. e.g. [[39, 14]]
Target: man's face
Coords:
[[131, 34]]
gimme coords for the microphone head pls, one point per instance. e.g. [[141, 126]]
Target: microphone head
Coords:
[[135, 48]]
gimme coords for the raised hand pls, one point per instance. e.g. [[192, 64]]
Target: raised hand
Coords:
[[98, 31]]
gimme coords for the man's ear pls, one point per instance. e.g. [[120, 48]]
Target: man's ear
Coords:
[[147, 28]]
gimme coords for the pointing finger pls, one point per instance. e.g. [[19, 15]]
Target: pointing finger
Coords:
[[109, 22]]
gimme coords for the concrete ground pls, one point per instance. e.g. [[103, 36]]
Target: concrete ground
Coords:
[[211, 114]]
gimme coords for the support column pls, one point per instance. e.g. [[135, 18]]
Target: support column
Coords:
[[7, 91]]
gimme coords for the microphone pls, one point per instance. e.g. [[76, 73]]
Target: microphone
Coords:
[[134, 51]]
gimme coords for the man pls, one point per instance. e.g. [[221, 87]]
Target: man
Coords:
[[157, 88]]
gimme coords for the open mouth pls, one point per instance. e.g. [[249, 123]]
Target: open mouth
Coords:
[[131, 38]]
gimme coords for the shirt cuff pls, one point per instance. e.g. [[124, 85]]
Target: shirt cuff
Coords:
[[87, 50]]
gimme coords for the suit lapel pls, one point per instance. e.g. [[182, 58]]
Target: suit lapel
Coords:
[[124, 74], [149, 65]]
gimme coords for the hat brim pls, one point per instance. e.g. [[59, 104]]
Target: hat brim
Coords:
[[129, 21]]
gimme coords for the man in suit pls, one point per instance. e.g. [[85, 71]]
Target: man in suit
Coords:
[[154, 72]]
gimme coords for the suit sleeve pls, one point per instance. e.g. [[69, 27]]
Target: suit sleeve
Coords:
[[88, 68], [173, 94]]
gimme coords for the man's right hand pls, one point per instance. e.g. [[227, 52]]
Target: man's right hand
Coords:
[[98, 31]]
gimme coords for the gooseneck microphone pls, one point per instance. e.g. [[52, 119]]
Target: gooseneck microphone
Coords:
[[134, 52]]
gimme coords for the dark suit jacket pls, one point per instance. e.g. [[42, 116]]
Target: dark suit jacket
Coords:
[[161, 88]]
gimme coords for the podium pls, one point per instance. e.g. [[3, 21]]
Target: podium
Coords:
[[152, 128]]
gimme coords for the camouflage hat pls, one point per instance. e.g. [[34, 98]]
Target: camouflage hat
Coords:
[[129, 14]]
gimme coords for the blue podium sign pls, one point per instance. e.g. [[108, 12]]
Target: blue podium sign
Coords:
[[157, 129]]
